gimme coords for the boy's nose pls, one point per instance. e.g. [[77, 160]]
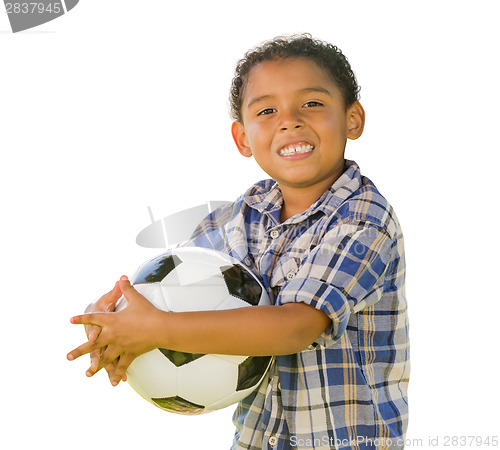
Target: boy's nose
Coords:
[[291, 121], [289, 127]]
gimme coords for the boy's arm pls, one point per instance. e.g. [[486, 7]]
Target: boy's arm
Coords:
[[253, 331]]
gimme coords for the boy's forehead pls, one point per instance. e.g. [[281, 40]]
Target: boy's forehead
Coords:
[[270, 77], [276, 68]]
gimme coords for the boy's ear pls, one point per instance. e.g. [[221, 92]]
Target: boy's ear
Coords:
[[240, 139], [355, 121]]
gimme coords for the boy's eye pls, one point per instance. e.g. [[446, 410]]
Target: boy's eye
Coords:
[[312, 104], [266, 111]]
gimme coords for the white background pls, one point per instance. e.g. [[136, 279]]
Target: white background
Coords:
[[121, 104]]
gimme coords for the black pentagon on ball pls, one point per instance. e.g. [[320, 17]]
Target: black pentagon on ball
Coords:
[[156, 269], [241, 284], [178, 359], [178, 405], [251, 370]]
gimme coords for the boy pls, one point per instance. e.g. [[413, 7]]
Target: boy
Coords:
[[328, 248]]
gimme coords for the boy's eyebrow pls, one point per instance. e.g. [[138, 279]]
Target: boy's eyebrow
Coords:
[[317, 89], [257, 99], [308, 89]]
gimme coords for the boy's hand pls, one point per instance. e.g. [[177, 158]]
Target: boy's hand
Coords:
[[123, 335], [106, 303]]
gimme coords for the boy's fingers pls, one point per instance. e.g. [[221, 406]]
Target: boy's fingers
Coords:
[[127, 289], [107, 302], [83, 349], [110, 368], [94, 363], [94, 333], [130, 293], [119, 373], [89, 319], [111, 297], [108, 357]]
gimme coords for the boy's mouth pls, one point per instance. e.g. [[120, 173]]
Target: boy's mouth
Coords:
[[294, 149]]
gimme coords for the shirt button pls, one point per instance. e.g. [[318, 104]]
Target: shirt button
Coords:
[[248, 261], [273, 440], [290, 276], [275, 234]]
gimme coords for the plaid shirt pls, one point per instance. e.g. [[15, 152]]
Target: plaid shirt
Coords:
[[344, 256]]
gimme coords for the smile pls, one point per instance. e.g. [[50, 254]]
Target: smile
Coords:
[[295, 149]]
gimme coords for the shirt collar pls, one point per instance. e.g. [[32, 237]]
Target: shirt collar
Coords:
[[266, 196]]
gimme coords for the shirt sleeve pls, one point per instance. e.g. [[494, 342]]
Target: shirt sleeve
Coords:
[[343, 274], [211, 232]]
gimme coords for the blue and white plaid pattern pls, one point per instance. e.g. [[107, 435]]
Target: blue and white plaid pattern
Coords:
[[344, 256]]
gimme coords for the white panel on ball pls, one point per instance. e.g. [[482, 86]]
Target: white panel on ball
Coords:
[[202, 296], [232, 302], [153, 374], [219, 380], [153, 294]]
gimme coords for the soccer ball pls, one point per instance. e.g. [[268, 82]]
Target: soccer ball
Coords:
[[196, 279]]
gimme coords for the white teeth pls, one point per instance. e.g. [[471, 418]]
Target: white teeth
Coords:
[[296, 148]]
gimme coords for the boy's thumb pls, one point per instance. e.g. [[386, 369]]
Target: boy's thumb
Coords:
[[125, 285]]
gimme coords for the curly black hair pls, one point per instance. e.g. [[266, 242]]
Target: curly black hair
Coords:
[[326, 55]]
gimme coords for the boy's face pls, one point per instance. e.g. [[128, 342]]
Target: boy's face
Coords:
[[295, 123]]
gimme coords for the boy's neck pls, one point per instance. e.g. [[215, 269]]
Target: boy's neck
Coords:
[[298, 200]]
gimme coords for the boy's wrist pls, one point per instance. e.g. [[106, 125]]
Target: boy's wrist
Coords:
[[158, 329]]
